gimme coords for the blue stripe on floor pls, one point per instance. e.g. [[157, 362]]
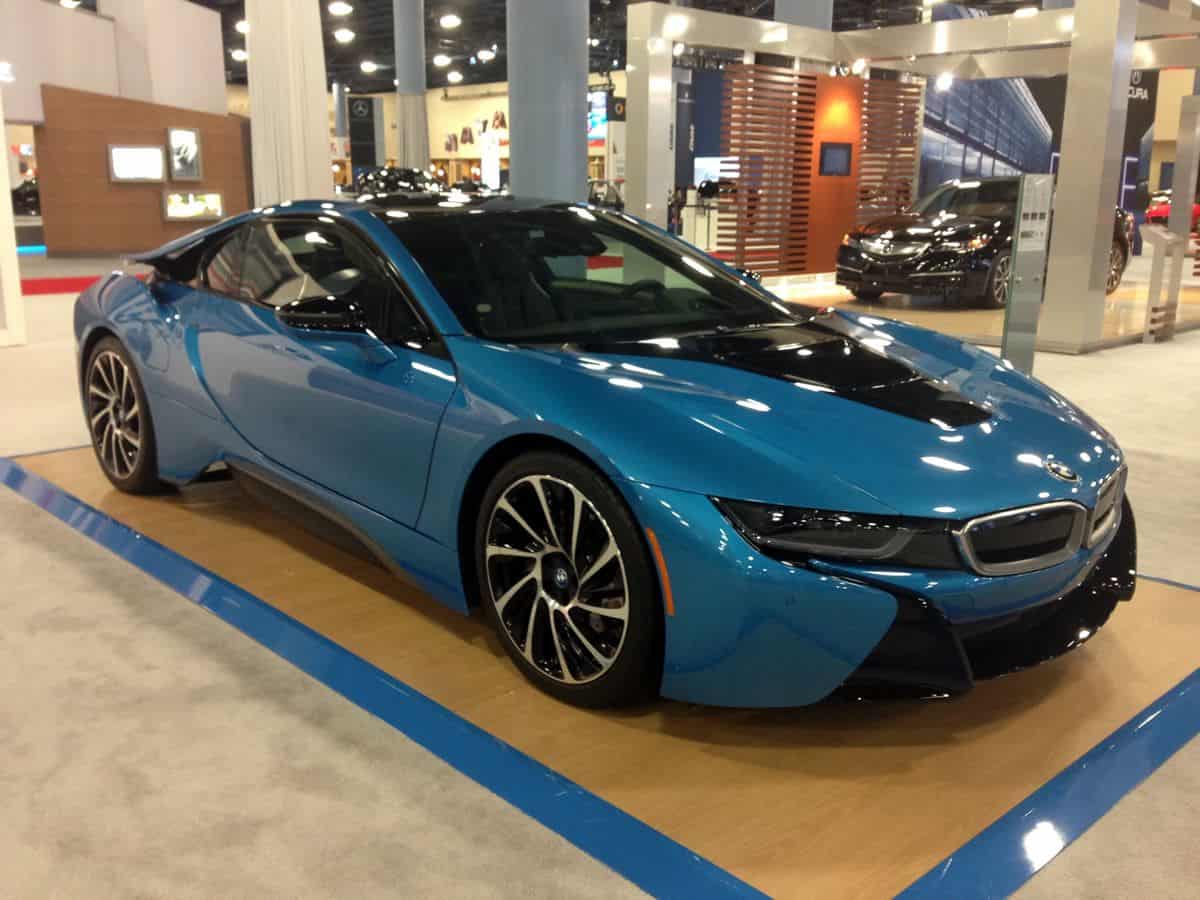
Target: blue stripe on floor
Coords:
[[31, 250], [1178, 584], [995, 863], [648, 858], [1011, 850]]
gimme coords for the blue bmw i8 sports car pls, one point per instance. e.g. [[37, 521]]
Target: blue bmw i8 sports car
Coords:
[[651, 474]]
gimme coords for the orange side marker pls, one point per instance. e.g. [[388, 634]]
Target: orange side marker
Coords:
[[668, 598]]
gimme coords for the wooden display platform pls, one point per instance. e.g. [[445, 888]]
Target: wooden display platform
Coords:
[[834, 800]]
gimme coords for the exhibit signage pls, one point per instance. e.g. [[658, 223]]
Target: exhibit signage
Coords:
[[126, 163], [193, 206], [1027, 282]]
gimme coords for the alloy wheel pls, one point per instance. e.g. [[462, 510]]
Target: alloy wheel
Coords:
[[1000, 280], [114, 416], [1116, 268], [556, 579]]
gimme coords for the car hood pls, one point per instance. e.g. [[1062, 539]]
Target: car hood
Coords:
[[914, 227], [844, 411]]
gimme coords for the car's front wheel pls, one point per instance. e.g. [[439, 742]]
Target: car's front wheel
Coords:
[[1116, 267], [996, 293], [567, 582], [119, 419]]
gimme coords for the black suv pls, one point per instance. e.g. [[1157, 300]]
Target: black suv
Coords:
[[955, 242]]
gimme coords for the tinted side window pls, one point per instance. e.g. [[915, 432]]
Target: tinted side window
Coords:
[[223, 269], [296, 260]]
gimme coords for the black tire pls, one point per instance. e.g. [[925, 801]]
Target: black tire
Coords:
[[1117, 261], [118, 419], [866, 296], [621, 662], [995, 296]]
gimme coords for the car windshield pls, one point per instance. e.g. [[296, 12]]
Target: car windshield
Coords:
[[568, 274], [971, 198]]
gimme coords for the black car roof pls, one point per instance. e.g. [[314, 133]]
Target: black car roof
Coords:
[[451, 203]]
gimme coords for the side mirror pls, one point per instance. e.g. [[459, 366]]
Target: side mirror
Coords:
[[323, 314]]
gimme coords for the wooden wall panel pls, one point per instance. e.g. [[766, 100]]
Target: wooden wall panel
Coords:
[[86, 214], [833, 202], [891, 144], [767, 117]]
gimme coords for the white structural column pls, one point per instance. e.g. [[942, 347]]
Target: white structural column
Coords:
[[412, 122], [289, 107], [12, 305], [547, 97], [812, 13], [1088, 174], [650, 105]]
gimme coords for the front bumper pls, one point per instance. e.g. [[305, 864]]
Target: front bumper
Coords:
[[750, 631], [934, 272], [924, 653]]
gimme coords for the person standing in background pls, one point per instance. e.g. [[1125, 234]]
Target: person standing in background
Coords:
[[1139, 203]]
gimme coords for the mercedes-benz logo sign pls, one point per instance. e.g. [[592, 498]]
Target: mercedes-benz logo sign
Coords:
[[561, 578], [1061, 471]]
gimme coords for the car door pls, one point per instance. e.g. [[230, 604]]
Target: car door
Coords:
[[354, 411]]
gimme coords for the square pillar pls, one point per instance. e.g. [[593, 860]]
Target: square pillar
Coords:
[[1089, 173], [650, 114]]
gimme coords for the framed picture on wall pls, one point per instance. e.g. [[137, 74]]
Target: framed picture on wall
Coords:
[[184, 145], [193, 206], [136, 163]]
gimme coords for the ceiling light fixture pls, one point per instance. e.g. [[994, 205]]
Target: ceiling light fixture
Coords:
[[677, 50], [339, 8], [595, 42], [343, 35], [454, 76], [441, 60], [242, 27], [1027, 12], [944, 82], [239, 54], [858, 66], [6, 72], [369, 66], [486, 55], [69, 4], [449, 21]]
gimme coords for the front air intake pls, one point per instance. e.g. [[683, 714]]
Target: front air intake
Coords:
[[1023, 540]]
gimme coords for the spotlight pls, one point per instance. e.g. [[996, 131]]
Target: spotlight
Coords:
[[449, 21], [1028, 12], [486, 55], [677, 50], [339, 8], [368, 66], [242, 27], [454, 76], [239, 54], [858, 66], [593, 42], [441, 60], [944, 82], [343, 35], [69, 4]]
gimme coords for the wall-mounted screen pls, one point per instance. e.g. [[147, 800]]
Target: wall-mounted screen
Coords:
[[184, 144], [597, 120], [193, 206], [835, 159], [136, 163]]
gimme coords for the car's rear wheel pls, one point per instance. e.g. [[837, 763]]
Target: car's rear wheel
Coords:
[[567, 583], [1116, 267], [119, 419], [867, 296], [996, 295]]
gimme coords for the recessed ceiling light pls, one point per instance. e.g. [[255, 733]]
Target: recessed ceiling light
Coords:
[[858, 66], [454, 76], [368, 66], [616, 62], [6, 72], [441, 60], [395, 82], [343, 35], [242, 27], [449, 20], [486, 55], [339, 8], [239, 54], [944, 82], [677, 50], [1026, 12], [594, 42], [69, 4]]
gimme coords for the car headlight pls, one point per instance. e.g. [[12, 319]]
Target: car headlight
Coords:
[[794, 534], [849, 240]]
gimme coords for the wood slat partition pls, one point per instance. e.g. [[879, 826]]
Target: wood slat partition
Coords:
[[891, 142], [767, 116]]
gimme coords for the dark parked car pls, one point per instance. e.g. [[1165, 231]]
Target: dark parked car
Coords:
[[26, 199], [390, 180], [955, 242]]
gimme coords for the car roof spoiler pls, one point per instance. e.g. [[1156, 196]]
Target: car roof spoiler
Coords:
[[175, 258]]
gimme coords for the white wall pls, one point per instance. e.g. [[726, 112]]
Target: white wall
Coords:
[[46, 43], [187, 63]]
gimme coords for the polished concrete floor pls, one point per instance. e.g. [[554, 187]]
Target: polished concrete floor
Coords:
[[1148, 396]]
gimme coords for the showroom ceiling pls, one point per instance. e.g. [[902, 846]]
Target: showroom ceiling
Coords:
[[483, 27]]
